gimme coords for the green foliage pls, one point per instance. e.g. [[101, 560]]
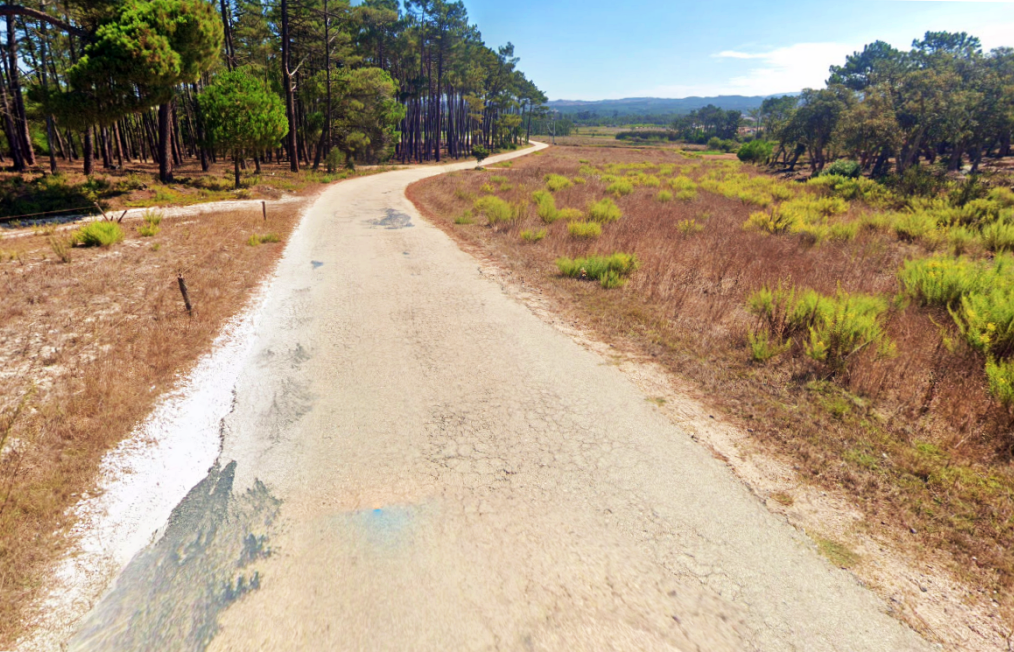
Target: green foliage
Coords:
[[604, 211], [240, 114], [136, 60], [571, 214], [546, 206], [584, 229], [610, 270], [844, 168], [998, 236], [556, 182], [756, 151], [256, 239], [1000, 375], [479, 153], [97, 234], [533, 236], [837, 326], [689, 227], [464, 218], [150, 228], [497, 210], [500, 179], [334, 160], [664, 196], [942, 280], [763, 347], [620, 187]]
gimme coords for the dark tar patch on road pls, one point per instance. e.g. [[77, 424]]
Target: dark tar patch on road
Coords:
[[393, 220], [170, 595]]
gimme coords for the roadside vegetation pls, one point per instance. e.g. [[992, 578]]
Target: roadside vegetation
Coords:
[[862, 331], [93, 331]]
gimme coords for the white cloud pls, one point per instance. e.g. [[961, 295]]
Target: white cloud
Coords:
[[791, 68]]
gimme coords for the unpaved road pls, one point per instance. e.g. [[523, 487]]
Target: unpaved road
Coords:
[[415, 461]]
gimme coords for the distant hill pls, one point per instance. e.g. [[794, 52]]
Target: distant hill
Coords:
[[656, 105]]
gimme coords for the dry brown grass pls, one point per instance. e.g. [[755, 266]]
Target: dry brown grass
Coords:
[[90, 345], [914, 439]]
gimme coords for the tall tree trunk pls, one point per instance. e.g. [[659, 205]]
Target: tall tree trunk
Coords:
[[17, 100], [290, 103], [89, 153], [165, 156]]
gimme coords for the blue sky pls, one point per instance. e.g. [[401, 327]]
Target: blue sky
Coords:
[[601, 49]]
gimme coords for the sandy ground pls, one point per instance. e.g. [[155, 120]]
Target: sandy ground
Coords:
[[414, 460]]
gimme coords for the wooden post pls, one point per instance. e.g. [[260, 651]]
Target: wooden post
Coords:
[[264, 210], [186, 295]]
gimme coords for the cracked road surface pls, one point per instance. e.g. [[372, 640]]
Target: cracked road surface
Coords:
[[417, 462]]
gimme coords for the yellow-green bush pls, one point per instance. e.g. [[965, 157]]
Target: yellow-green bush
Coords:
[[97, 234], [682, 183], [836, 327], [1000, 375], [664, 196], [620, 187], [546, 206], [584, 229], [604, 210], [497, 210], [686, 195], [608, 270], [571, 214], [556, 182], [689, 227], [529, 235]]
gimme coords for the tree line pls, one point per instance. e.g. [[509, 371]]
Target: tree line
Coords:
[[942, 101], [299, 81]]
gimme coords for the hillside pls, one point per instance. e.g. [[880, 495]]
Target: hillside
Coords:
[[655, 105]]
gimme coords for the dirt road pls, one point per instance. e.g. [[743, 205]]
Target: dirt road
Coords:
[[415, 461]]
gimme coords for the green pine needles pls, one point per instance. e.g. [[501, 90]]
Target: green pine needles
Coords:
[[241, 115]]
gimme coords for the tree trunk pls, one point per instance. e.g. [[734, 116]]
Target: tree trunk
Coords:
[[235, 160], [290, 103], [89, 153], [165, 156]]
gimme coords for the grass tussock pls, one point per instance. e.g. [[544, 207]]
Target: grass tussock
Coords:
[[584, 229], [98, 234]]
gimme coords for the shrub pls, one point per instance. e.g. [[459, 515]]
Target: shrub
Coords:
[[689, 227], [1000, 375], [488, 189], [620, 187], [571, 214], [844, 168], [986, 319], [664, 196], [255, 239], [60, 247], [651, 181], [941, 280], [334, 160], [839, 326], [715, 143], [546, 206], [150, 228], [479, 153], [556, 182], [604, 210], [497, 210], [497, 178], [682, 183], [756, 151], [762, 347], [579, 180], [584, 229], [464, 218], [533, 236], [998, 236], [608, 270], [846, 325], [686, 195], [97, 234]]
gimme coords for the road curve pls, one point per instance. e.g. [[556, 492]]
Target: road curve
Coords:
[[414, 461]]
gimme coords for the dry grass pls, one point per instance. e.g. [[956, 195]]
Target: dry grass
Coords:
[[915, 438], [89, 346]]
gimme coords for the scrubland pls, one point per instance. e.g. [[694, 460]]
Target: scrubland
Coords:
[[93, 330], [862, 333]]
